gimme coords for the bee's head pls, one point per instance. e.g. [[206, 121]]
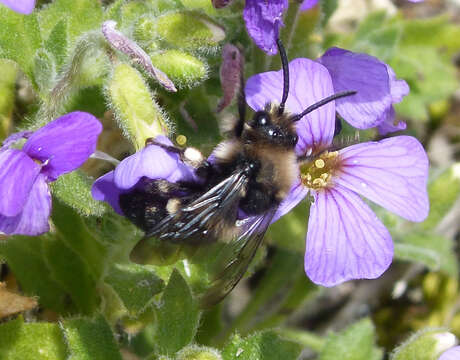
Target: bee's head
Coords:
[[268, 127]]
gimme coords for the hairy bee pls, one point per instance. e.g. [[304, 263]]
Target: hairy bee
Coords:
[[250, 174]]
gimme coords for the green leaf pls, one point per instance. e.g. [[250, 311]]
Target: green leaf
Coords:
[[177, 316], [81, 16], [357, 342], [56, 43], [136, 285], [266, 345], [72, 273], [8, 72], [443, 192], [194, 352], [32, 341], [432, 250], [25, 257], [74, 190], [90, 339], [19, 39], [328, 7], [137, 113], [44, 71]]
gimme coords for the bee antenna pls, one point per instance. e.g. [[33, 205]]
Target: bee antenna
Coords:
[[285, 64], [323, 102]]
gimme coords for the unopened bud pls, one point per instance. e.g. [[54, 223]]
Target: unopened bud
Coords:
[[189, 30], [120, 42], [220, 3], [426, 344], [138, 114], [231, 72], [194, 352], [185, 69]]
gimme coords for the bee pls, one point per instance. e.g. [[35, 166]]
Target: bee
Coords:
[[242, 185]]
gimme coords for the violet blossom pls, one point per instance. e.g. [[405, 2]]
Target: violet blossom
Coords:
[[53, 150], [20, 6], [376, 85], [451, 354], [345, 239], [152, 162]]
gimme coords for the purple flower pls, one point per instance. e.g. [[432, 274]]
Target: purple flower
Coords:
[[451, 354], [376, 85], [55, 149], [263, 22], [345, 239], [308, 4], [20, 6], [152, 162]]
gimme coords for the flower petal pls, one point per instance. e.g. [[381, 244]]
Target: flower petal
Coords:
[[104, 189], [388, 125], [392, 172], [295, 195], [308, 4], [17, 175], [33, 220], [345, 239], [20, 6], [65, 143], [365, 74], [152, 161], [10, 140], [263, 21], [309, 83], [451, 354]]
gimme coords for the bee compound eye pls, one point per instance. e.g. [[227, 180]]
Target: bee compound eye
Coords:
[[261, 119]]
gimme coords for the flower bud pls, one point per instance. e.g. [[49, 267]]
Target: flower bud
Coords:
[[189, 30], [231, 72], [138, 114], [220, 3], [426, 344], [194, 352], [184, 69]]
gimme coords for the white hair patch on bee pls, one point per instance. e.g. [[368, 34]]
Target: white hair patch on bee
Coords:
[[193, 156], [173, 206]]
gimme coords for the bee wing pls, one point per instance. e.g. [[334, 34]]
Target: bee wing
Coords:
[[236, 261], [202, 216]]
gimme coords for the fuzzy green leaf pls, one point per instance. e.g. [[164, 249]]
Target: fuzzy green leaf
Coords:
[[8, 74], [357, 342], [44, 70], [74, 190], [177, 316], [57, 42], [32, 341], [90, 339], [136, 285], [81, 16], [25, 257], [19, 38], [266, 345]]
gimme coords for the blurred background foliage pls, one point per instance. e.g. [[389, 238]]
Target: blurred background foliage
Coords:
[[80, 296]]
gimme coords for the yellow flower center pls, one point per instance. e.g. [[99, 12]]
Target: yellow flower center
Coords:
[[317, 173]]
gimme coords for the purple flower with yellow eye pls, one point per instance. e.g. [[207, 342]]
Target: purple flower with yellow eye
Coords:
[[53, 150], [345, 239], [20, 6]]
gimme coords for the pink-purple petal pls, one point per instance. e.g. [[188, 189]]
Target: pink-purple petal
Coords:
[[10, 140], [20, 6], [263, 22], [451, 354], [18, 173], [365, 74], [104, 189], [152, 161], [392, 173], [65, 143], [345, 239], [390, 123], [309, 83], [308, 4], [295, 195], [33, 219]]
